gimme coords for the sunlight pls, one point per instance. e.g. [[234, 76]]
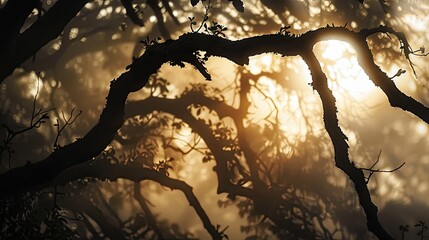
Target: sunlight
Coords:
[[421, 129], [257, 153], [343, 71], [269, 85], [275, 103], [183, 137], [415, 22], [260, 63], [34, 85], [334, 50]]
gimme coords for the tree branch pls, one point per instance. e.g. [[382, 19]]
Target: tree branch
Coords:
[[147, 212], [132, 13], [179, 109], [338, 138], [87, 206], [105, 171], [111, 119], [153, 4], [45, 29]]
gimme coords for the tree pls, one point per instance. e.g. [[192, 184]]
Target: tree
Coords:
[[259, 166]]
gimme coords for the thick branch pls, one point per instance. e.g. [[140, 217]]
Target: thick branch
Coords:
[[342, 161], [179, 110], [111, 118], [13, 16], [380, 78], [45, 29], [92, 143]]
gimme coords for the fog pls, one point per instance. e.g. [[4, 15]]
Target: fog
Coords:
[[247, 154]]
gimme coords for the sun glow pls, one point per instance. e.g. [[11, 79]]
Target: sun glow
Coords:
[[291, 108], [280, 99], [258, 64], [33, 85], [415, 22], [344, 73]]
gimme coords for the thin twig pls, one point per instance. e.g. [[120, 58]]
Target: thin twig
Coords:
[[371, 169], [67, 121]]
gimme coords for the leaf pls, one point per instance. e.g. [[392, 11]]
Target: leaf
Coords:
[[238, 4], [194, 2]]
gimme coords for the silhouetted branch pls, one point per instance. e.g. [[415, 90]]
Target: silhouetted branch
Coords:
[[339, 140], [109, 208], [16, 12], [260, 193], [179, 110], [166, 4], [37, 119], [174, 51], [87, 206], [67, 121], [132, 13], [380, 79], [148, 213], [103, 170], [46, 28], [153, 4], [371, 169]]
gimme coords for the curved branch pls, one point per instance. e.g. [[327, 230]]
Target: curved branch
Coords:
[[396, 97], [338, 138], [111, 119], [45, 29], [179, 110], [105, 171]]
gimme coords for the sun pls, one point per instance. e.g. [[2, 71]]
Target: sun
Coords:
[[345, 75], [292, 106], [339, 62], [334, 49]]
